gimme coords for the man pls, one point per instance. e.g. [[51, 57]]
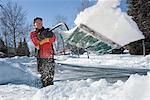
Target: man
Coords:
[[43, 41]]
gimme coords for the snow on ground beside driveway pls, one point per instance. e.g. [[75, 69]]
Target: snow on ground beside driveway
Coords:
[[16, 92], [109, 60], [12, 70], [135, 88]]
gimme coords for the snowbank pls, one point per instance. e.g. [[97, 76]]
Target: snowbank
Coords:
[[16, 92], [12, 71], [107, 19], [135, 88], [108, 61]]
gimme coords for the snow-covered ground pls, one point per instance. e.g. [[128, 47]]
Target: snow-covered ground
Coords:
[[109, 61], [25, 84], [15, 70]]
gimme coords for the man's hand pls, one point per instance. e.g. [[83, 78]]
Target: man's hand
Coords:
[[44, 41], [49, 34], [41, 37], [45, 34]]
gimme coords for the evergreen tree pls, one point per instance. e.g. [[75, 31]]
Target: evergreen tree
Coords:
[[26, 48], [23, 49], [3, 48], [140, 12], [20, 51]]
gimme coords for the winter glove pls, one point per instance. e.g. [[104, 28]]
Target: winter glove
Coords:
[[40, 37], [44, 41], [49, 34], [45, 34]]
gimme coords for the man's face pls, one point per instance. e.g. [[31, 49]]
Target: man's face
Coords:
[[38, 24]]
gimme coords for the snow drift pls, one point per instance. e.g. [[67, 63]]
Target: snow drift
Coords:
[[108, 20], [15, 72], [137, 87]]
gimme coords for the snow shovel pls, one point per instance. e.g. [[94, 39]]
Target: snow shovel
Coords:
[[84, 37]]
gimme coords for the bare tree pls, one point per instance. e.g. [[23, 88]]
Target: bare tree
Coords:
[[5, 34], [59, 19], [23, 32], [13, 20]]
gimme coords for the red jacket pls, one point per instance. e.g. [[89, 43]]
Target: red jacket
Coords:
[[45, 46]]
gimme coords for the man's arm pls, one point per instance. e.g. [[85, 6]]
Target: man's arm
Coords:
[[51, 40], [34, 38]]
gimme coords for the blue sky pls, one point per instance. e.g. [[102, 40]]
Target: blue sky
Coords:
[[49, 9]]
